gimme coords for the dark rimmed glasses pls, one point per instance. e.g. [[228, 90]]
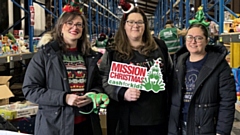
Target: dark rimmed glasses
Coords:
[[131, 23], [70, 24], [198, 39]]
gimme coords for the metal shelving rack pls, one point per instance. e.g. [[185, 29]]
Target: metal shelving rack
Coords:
[[219, 7], [105, 16], [166, 10], [22, 56]]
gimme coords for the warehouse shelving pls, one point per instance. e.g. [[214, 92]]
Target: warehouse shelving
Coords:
[[167, 10], [15, 57], [104, 14], [100, 14]]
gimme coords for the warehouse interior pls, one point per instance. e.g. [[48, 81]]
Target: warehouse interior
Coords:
[[26, 21]]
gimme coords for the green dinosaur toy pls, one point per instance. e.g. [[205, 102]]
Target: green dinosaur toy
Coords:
[[99, 100]]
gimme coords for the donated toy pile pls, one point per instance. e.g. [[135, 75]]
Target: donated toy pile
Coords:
[[15, 43]]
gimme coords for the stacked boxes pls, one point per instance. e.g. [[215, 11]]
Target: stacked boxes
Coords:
[[5, 92]]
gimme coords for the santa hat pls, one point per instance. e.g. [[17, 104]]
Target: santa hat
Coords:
[[126, 7], [102, 35]]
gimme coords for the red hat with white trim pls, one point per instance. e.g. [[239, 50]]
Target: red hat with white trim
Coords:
[[126, 7]]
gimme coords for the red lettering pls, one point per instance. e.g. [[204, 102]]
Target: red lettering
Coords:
[[137, 71], [112, 75], [142, 71], [116, 67], [130, 68], [124, 69], [135, 79]]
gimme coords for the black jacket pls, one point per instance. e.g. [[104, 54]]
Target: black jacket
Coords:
[[212, 106], [119, 110], [46, 83]]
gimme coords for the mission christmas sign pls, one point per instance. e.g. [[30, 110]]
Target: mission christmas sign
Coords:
[[132, 76]]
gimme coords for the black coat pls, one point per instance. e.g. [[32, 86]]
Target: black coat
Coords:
[[118, 110], [46, 84], [212, 106]]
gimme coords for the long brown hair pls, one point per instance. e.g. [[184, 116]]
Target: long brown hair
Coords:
[[83, 44], [121, 43]]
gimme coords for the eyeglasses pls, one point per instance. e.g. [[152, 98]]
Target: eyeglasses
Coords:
[[131, 23], [198, 39], [70, 24]]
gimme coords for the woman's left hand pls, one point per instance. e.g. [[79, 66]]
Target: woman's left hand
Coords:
[[83, 101]]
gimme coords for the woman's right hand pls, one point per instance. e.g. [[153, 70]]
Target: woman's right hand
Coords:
[[78, 101], [132, 94]]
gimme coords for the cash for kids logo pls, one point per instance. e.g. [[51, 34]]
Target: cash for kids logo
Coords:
[[132, 76]]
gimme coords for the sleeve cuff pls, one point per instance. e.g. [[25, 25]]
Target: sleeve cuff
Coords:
[[121, 94], [64, 99]]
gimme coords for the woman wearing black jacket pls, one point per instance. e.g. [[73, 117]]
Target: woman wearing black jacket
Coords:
[[134, 111], [60, 75], [203, 95]]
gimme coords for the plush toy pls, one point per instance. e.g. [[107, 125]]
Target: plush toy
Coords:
[[236, 24], [213, 27], [22, 45], [15, 48]]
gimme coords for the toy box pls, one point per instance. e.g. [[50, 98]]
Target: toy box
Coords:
[[18, 110]]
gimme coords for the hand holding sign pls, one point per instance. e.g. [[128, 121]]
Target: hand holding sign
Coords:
[[132, 94]]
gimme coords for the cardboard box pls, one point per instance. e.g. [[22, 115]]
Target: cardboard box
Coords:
[[5, 92], [17, 110]]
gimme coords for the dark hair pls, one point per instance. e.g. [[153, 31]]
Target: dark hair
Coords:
[[121, 43], [202, 27], [169, 22], [83, 44]]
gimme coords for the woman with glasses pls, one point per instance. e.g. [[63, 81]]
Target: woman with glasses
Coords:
[[60, 74], [134, 111], [203, 89]]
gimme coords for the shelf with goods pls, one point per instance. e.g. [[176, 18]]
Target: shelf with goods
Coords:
[[15, 57], [22, 27], [182, 11], [233, 41]]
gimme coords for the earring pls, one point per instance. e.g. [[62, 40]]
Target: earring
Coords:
[[62, 34]]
